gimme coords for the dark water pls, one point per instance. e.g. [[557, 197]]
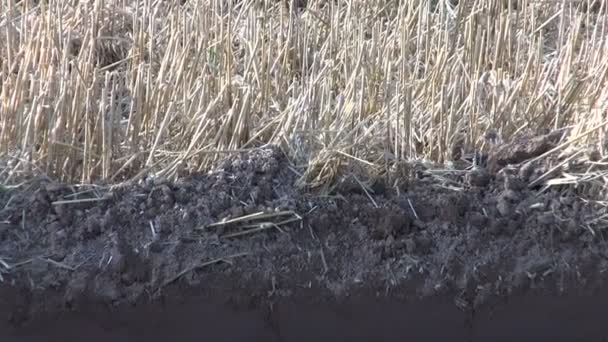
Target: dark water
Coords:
[[544, 318]]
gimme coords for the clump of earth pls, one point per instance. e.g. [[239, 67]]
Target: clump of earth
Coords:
[[246, 235]]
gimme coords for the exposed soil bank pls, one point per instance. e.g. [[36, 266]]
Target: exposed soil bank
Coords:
[[470, 255]]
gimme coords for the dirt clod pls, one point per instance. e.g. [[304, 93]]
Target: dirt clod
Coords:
[[523, 148]]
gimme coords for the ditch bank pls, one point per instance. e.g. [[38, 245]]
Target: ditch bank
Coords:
[[241, 254]]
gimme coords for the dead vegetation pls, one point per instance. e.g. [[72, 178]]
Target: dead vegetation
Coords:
[[105, 90]]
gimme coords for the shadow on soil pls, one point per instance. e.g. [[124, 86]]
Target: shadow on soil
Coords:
[[242, 254], [525, 318]]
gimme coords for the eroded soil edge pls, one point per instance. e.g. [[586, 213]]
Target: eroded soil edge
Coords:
[[462, 243]]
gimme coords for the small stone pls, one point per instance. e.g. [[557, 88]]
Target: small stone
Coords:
[[504, 207]]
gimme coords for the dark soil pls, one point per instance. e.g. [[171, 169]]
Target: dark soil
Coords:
[[461, 255]]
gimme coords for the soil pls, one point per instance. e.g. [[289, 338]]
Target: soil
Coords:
[[465, 254]]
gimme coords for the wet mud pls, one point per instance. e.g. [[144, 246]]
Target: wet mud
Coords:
[[241, 253]]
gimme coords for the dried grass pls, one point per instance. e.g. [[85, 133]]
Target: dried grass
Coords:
[[98, 89]]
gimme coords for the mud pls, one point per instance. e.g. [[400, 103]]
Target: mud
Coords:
[[466, 254]]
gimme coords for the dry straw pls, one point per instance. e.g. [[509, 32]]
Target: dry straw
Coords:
[[103, 89]]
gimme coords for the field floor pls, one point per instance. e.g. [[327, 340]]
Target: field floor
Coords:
[[241, 253], [347, 170]]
